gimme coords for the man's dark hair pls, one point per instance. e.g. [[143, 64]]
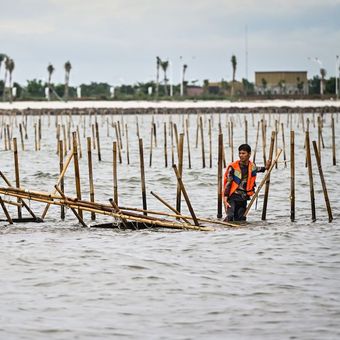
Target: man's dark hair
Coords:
[[244, 147]]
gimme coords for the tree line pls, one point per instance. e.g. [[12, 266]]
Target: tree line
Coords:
[[36, 89]]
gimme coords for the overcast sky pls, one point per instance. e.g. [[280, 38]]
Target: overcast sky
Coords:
[[117, 41]]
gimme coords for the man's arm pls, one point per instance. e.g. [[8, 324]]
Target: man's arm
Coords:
[[264, 168]]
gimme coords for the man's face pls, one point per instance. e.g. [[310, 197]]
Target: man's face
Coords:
[[244, 156]]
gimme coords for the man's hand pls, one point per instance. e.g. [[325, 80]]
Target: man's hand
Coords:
[[268, 164], [226, 204]]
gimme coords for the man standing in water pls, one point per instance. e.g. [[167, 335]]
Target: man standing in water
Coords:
[[239, 183]]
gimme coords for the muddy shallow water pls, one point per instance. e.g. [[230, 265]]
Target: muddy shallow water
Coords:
[[267, 279]]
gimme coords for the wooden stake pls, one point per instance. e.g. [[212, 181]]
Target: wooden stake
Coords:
[[115, 178], [188, 142], [165, 147], [98, 142], [202, 143], [169, 206], [333, 142], [142, 173], [219, 176], [323, 183], [262, 184], [17, 176], [76, 168], [310, 175], [127, 144], [186, 197], [180, 170], [292, 176], [89, 162], [266, 190], [61, 167]]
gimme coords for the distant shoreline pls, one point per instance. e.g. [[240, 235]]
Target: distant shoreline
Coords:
[[167, 107]]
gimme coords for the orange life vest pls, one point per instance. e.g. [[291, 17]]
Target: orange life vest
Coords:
[[237, 178]]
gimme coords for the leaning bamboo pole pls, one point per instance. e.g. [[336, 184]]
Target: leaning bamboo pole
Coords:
[[262, 183], [310, 175], [323, 183]]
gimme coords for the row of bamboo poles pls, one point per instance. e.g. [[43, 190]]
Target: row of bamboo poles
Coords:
[[71, 140], [64, 125]]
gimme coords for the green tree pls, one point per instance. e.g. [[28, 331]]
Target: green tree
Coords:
[[164, 66], [233, 64], [322, 80], [67, 68], [185, 66], [35, 88], [11, 66], [50, 70], [158, 65]]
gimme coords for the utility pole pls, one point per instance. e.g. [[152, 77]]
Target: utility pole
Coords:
[[337, 69]]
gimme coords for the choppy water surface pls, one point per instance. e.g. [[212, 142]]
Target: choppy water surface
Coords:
[[269, 279]]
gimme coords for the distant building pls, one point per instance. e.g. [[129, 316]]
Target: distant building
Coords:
[[281, 82], [193, 90]]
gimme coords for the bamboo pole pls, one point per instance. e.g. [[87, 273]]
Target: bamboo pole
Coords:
[[219, 176], [98, 142], [246, 130], [232, 141], [61, 166], [118, 143], [262, 183], [16, 168], [115, 177], [21, 138], [151, 145], [202, 143], [263, 129], [292, 176], [310, 175], [8, 216], [210, 144], [120, 135], [333, 142], [172, 143], [188, 142], [119, 212], [79, 143], [127, 144], [78, 215], [90, 168], [142, 173], [22, 201], [165, 147], [323, 183], [284, 145], [266, 190], [186, 197], [170, 207], [180, 171]]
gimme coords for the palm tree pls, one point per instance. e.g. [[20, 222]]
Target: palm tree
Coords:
[[159, 62], [233, 64], [2, 58], [67, 67], [50, 70], [164, 65], [10, 66], [323, 73], [185, 66], [7, 59]]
